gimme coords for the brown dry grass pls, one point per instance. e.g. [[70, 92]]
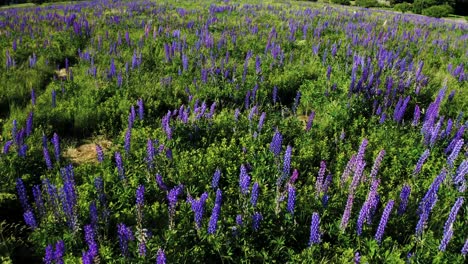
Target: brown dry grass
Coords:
[[86, 153]]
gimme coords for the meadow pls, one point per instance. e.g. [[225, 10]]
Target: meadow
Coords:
[[231, 132]]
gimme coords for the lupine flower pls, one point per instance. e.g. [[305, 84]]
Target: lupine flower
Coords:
[[310, 120], [161, 258], [261, 121], [49, 254], [7, 146], [377, 162], [357, 258], [366, 207], [448, 227], [236, 114], [244, 180], [254, 196], [140, 193], [29, 124], [198, 207], [421, 161], [347, 212], [294, 176], [93, 214], [291, 198], [239, 220], [22, 194], [99, 153], [275, 94], [464, 249], [119, 164], [256, 218], [160, 182], [213, 223], [172, 197], [319, 181], [383, 221], [149, 153], [30, 220], [362, 149], [287, 162], [455, 151], [56, 143], [215, 180], [128, 137], [37, 194], [315, 230], [59, 252], [404, 195], [275, 145], [125, 235]]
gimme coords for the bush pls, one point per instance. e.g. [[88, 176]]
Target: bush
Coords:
[[367, 3], [420, 5], [341, 2], [438, 11], [403, 7]]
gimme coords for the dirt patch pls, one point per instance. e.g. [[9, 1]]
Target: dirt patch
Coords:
[[86, 153]]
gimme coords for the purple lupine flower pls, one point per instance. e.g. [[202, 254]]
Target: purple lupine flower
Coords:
[[45, 152], [215, 180], [383, 221], [119, 164], [29, 124], [357, 258], [244, 180], [362, 150], [275, 145], [99, 153], [294, 176], [49, 254], [258, 65], [22, 194], [347, 212], [464, 250], [459, 177], [421, 161], [455, 151], [365, 210], [404, 195], [128, 137], [261, 121], [360, 164], [7, 146], [140, 195], [30, 220], [141, 109], [172, 197], [212, 111], [198, 207], [291, 199], [125, 235], [59, 252], [253, 111], [93, 214], [161, 258], [254, 195], [239, 220], [166, 125], [142, 248], [275, 94], [33, 97], [448, 227], [319, 181], [348, 169], [54, 98], [213, 223], [37, 194], [287, 162], [315, 234], [89, 238], [310, 120], [376, 166], [256, 218], [56, 143], [149, 153], [236, 114], [160, 182]]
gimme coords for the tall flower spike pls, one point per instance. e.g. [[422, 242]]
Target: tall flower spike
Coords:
[[254, 195], [291, 199], [421, 161], [256, 218], [448, 228], [383, 221], [404, 195], [56, 143], [161, 258], [99, 153], [347, 212], [315, 230], [275, 145], [244, 180], [215, 180]]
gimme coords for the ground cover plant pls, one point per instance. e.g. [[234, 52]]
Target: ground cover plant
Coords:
[[219, 132]]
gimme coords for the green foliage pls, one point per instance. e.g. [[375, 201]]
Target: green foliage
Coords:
[[420, 5], [367, 3], [438, 11], [342, 2], [403, 7]]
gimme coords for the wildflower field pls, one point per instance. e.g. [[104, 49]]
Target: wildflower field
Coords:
[[231, 132]]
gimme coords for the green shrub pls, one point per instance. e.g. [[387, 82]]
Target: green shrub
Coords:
[[367, 3], [403, 7], [341, 2], [420, 5], [438, 11]]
